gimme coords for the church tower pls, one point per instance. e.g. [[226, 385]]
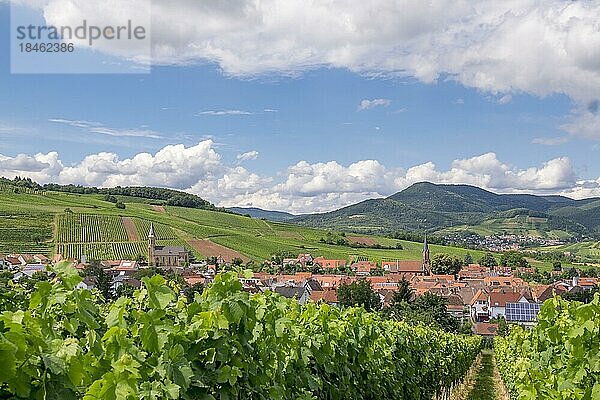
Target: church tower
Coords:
[[151, 244], [426, 260]]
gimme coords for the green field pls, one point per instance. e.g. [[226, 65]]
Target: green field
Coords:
[[519, 225], [588, 251], [74, 224]]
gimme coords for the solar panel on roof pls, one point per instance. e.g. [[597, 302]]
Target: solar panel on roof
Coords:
[[522, 312]]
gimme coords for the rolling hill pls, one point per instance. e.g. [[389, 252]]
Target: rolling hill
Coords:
[[445, 208], [84, 221]]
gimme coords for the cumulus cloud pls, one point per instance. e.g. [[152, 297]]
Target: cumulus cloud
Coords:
[[367, 104], [302, 187], [247, 156], [507, 47]]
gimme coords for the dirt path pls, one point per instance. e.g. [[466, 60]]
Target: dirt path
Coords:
[[210, 249], [159, 209], [132, 233], [362, 240], [483, 382]]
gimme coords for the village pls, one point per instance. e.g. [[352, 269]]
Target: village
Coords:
[[479, 294]]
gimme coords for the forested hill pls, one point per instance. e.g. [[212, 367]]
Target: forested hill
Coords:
[[429, 207]]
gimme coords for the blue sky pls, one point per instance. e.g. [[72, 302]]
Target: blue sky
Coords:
[[312, 115]]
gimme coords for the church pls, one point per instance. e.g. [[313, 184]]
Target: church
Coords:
[[165, 256], [417, 267]]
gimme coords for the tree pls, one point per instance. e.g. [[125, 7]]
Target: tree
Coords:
[[513, 259], [190, 291], [468, 259], [556, 266], [428, 309], [358, 294], [443, 263], [237, 262], [120, 205], [488, 260], [103, 280], [403, 294], [502, 326]]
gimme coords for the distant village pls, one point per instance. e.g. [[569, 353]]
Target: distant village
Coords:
[[479, 294], [500, 242]]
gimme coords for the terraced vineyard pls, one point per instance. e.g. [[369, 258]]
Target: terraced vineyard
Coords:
[[27, 233], [162, 231], [85, 228]]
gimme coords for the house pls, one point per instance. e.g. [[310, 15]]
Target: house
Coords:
[[89, 282], [456, 307], [41, 259], [480, 306], [294, 292], [325, 296], [487, 304], [12, 262], [329, 264], [485, 329], [363, 267]]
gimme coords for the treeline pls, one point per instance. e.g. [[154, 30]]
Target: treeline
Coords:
[[167, 197]]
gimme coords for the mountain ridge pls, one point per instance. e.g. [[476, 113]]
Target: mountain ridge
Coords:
[[430, 207]]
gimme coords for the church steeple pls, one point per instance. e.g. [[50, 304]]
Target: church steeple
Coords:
[[426, 259], [151, 244]]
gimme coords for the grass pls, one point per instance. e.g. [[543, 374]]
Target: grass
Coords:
[[485, 386]]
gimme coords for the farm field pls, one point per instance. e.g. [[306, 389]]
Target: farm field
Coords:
[[76, 224], [520, 225]]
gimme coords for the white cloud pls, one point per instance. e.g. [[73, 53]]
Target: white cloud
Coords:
[[584, 123], [458, 101], [302, 187], [96, 127], [247, 156], [513, 46], [367, 104], [224, 112]]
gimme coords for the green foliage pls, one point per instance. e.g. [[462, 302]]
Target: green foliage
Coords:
[[358, 294], [488, 260], [446, 264], [64, 343], [559, 359], [428, 309], [513, 259]]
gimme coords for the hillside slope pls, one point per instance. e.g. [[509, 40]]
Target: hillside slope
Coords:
[[433, 208], [76, 224]]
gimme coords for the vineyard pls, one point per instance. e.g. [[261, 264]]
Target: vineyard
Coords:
[[29, 233], [559, 359], [81, 228], [59, 342]]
